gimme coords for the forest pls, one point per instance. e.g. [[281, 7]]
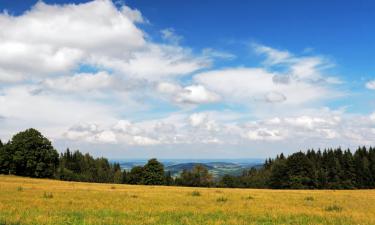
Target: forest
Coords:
[[30, 154]]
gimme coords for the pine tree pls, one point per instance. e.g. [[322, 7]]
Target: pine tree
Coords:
[[153, 173]]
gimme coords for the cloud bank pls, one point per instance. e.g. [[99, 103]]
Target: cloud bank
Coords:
[[87, 73]]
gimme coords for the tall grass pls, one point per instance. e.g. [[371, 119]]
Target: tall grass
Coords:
[[54, 202]]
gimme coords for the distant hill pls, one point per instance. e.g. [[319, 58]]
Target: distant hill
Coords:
[[187, 166], [217, 168]]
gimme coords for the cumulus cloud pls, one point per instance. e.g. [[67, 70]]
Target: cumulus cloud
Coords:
[[79, 82], [275, 97], [244, 84], [301, 81], [196, 94], [56, 39], [372, 117], [88, 73], [370, 85], [46, 47], [193, 94], [90, 133], [264, 135]]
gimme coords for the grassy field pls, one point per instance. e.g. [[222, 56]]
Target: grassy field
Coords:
[[37, 201]]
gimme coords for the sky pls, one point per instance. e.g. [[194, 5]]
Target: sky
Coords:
[[194, 79]]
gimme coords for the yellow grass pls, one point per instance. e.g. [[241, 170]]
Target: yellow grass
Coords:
[[39, 201]]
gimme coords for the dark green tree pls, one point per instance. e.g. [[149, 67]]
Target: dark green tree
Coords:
[[229, 181], [32, 155], [5, 159], [197, 177], [279, 174], [135, 175], [153, 173], [168, 179], [300, 170]]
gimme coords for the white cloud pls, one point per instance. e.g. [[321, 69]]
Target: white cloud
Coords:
[[264, 135], [370, 85], [196, 94], [139, 140], [275, 97], [126, 99], [213, 53], [55, 39], [126, 127], [202, 120], [372, 117], [133, 14], [155, 63], [90, 132], [197, 119], [246, 84], [308, 68], [79, 82], [193, 94], [274, 56], [170, 35], [168, 88]]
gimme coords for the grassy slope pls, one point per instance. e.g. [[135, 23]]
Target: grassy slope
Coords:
[[27, 201]]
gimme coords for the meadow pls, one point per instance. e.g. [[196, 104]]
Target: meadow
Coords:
[[43, 201]]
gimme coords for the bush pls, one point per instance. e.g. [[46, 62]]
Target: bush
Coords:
[[47, 195], [249, 197], [333, 208], [309, 198], [195, 193], [221, 199]]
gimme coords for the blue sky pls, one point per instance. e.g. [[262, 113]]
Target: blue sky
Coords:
[[192, 79]]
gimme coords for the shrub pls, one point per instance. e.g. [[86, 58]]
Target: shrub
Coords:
[[20, 188], [221, 199], [195, 193], [333, 208], [47, 195], [309, 198], [249, 197]]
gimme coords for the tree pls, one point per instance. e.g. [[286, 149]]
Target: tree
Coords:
[[117, 174], [229, 181], [5, 159], [300, 170], [197, 177], [279, 174], [153, 173], [32, 155], [168, 179], [136, 175]]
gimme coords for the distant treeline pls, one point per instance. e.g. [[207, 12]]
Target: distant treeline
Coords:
[[30, 154], [328, 169]]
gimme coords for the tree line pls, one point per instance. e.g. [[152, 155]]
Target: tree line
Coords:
[[29, 153], [327, 169]]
